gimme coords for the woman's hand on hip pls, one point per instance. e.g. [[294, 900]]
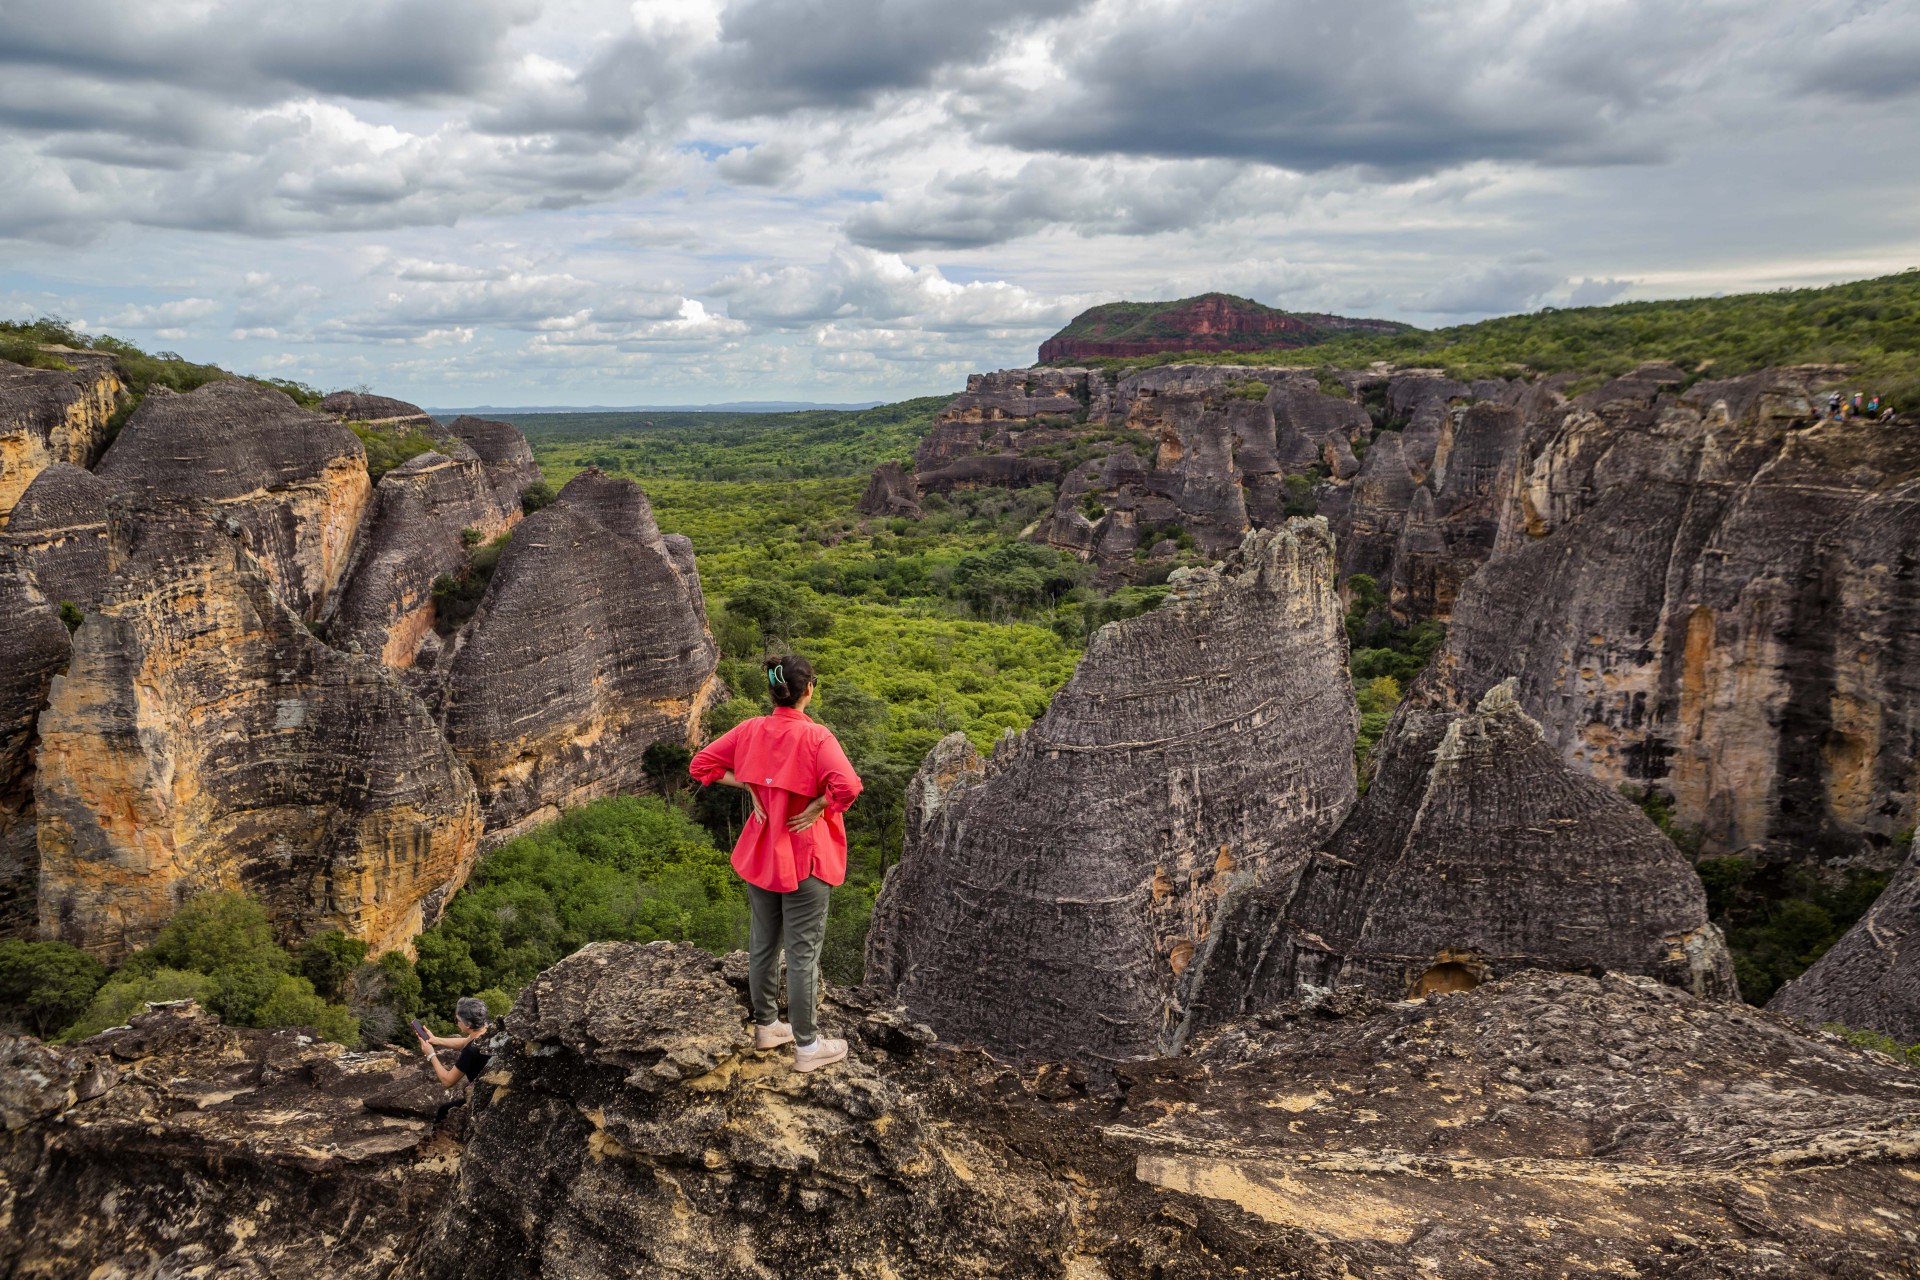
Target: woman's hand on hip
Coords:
[[808, 816]]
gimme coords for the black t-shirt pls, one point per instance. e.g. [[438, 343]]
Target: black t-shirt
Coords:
[[472, 1060]]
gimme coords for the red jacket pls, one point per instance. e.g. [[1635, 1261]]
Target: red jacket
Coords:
[[786, 760]]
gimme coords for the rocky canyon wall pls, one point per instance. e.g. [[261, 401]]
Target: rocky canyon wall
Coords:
[[241, 706], [1058, 900], [53, 415]]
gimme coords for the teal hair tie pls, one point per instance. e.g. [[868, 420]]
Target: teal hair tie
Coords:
[[776, 674]]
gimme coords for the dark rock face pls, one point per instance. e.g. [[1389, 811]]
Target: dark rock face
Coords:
[[1475, 853], [294, 481], [1057, 900], [379, 411], [177, 1147], [33, 644], [630, 1129], [49, 416], [504, 451], [201, 737], [589, 645], [1450, 529], [1871, 977], [1701, 591], [59, 528], [421, 510], [891, 492]]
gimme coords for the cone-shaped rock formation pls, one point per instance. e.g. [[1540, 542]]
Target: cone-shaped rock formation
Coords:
[[33, 647], [202, 738], [427, 514], [295, 482], [1058, 901], [1477, 852], [589, 645], [378, 411], [59, 529], [504, 452], [1870, 979]]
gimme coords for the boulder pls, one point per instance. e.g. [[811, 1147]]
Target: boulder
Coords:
[[504, 451], [53, 415], [177, 1146], [375, 411], [1475, 853], [891, 492], [589, 645], [1057, 901], [427, 515], [202, 738], [1870, 979], [294, 482]]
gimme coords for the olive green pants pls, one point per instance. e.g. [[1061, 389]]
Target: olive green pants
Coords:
[[800, 918]]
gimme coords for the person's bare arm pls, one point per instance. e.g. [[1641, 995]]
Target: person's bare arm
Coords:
[[446, 1075], [808, 816]]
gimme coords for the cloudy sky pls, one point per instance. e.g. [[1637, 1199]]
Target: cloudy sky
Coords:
[[575, 202]]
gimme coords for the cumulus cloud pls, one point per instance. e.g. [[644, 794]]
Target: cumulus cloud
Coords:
[[863, 286], [767, 164]]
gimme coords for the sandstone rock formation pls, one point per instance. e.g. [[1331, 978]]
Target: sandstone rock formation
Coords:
[[427, 514], [295, 482], [589, 644], [202, 738], [1209, 322], [1705, 591], [59, 531], [891, 492], [1475, 853], [53, 415], [33, 647], [503, 450], [1058, 901], [177, 1146], [1543, 1124], [1870, 979], [375, 411]]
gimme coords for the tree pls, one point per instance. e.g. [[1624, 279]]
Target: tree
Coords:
[[328, 959], [46, 985], [665, 764]]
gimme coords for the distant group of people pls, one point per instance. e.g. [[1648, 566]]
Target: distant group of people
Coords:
[[1841, 409]]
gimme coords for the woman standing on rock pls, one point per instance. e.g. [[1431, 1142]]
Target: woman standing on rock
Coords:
[[792, 852]]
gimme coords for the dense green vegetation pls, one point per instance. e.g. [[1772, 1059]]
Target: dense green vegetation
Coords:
[[219, 949], [1878, 1041], [1873, 326]]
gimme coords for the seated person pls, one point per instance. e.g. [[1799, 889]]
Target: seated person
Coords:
[[470, 1016]]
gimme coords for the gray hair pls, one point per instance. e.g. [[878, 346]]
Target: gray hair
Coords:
[[471, 1010]]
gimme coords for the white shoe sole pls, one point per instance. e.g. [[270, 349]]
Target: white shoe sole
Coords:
[[813, 1063], [759, 1043]]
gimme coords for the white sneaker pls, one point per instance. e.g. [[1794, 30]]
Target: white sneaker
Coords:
[[772, 1036], [823, 1052]]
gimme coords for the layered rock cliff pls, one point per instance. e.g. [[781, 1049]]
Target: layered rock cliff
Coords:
[[1210, 322], [53, 415], [504, 452], [202, 738], [1870, 979], [589, 644], [1059, 899], [59, 532], [427, 515], [1476, 853], [33, 646], [1707, 591], [1700, 587], [1543, 1124], [294, 482], [375, 411]]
